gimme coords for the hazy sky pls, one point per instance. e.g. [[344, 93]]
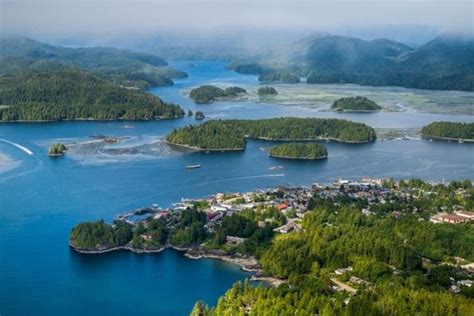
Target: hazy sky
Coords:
[[62, 18]]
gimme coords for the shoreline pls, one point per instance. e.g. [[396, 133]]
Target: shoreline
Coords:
[[272, 140], [245, 263], [298, 158], [465, 140], [202, 149], [158, 118]]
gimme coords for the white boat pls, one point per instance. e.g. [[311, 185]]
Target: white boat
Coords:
[[193, 166]]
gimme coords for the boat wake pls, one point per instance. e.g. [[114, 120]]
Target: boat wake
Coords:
[[23, 148]]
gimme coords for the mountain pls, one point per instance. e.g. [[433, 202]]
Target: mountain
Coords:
[[68, 93], [124, 67], [338, 53], [445, 63]]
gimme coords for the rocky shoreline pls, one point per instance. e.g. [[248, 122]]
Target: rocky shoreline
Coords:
[[246, 263]]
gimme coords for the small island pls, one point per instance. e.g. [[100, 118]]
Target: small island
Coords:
[[303, 151], [199, 115], [208, 93], [265, 91], [355, 104], [56, 150], [227, 135], [462, 132], [279, 77]]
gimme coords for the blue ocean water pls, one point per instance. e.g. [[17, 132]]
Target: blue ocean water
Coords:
[[42, 198]]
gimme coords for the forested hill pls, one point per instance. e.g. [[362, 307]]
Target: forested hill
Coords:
[[445, 63], [70, 93], [123, 67]]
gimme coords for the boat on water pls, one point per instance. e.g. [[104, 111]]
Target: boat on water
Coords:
[[193, 166], [275, 168]]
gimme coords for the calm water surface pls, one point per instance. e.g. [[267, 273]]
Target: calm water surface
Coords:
[[42, 198]]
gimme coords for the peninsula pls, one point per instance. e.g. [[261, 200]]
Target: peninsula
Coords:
[[303, 151], [232, 134], [73, 94]]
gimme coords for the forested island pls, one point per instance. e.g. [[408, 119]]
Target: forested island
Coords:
[[72, 94], [232, 134], [264, 91], [355, 104], [449, 131], [57, 149], [308, 151], [279, 77], [209, 93], [324, 244]]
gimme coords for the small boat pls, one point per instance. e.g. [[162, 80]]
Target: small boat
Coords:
[[193, 166], [460, 141], [275, 168]]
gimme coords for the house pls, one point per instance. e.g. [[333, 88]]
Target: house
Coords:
[[282, 206], [146, 237], [452, 218], [341, 271], [466, 214]]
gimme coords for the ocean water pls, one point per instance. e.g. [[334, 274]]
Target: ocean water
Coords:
[[42, 198]]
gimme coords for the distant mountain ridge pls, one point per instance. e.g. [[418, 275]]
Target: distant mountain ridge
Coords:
[[444, 63], [124, 67]]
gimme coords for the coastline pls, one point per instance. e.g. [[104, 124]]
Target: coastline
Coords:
[[157, 118], [202, 149], [297, 158], [465, 140], [272, 140], [245, 263]]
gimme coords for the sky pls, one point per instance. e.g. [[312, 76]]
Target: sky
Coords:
[[127, 18]]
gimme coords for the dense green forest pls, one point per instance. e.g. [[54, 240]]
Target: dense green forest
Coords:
[[452, 130], [388, 253], [71, 93], [99, 235], [209, 93], [355, 104], [299, 151], [123, 67], [231, 134], [263, 91]]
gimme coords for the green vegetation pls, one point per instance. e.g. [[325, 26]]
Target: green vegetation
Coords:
[[57, 149], [231, 134], [199, 115], [385, 251], [449, 130], [279, 77], [71, 93], [355, 104], [99, 235], [189, 231], [122, 67], [264, 91], [299, 151], [209, 93]]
